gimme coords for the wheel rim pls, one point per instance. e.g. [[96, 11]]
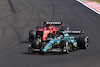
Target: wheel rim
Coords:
[[67, 47], [86, 43]]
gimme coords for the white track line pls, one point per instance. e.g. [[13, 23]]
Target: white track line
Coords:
[[88, 7]]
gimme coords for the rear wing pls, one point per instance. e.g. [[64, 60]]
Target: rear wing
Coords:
[[75, 32], [53, 23]]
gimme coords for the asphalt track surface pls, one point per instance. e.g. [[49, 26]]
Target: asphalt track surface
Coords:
[[17, 17]]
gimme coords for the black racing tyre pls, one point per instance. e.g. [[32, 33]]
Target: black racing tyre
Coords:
[[41, 49], [66, 46], [63, 44], [83, 42], [35, 43], [30, 49], [32, 35], [71, 48]]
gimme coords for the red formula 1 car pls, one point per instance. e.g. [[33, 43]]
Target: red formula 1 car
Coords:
[[41, 33]]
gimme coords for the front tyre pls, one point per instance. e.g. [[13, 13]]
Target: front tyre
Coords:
[[30, 49], [65, 47], [35, 43], [41, 49]]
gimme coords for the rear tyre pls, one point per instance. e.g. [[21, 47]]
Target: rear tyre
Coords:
[[83, 42], [32, 35]]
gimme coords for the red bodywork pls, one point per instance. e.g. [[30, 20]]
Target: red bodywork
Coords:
[[46, 31]]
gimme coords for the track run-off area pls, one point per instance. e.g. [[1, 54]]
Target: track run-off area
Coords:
[[17, 17]]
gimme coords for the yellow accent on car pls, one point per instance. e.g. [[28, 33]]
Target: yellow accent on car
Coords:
[[38, 40], [56, 43], [45, 33]]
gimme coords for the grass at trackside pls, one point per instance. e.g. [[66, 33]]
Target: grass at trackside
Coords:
[[92, 0], [96, 0]]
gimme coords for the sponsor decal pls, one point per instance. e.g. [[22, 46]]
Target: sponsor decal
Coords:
[[53, 22], [58, 41], [75, 44], [66, 34], [48, 46]]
